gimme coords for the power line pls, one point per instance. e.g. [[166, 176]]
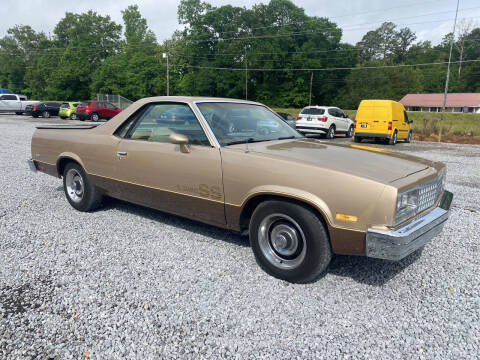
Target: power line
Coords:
[[333, 68]]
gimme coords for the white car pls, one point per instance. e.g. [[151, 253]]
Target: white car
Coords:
[[326, 120]]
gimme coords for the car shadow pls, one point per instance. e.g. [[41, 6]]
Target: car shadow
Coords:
[[214, 232], [369, 271]]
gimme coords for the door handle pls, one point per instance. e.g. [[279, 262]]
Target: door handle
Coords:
[[122, 153]]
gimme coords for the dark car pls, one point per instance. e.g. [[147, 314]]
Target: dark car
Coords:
[[288, 118], [96, 110], [43, 109], [177, 115]]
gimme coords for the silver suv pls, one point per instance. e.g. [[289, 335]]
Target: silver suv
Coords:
[[324, 120]]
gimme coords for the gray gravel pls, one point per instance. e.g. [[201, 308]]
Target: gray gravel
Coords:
[[130, 282]]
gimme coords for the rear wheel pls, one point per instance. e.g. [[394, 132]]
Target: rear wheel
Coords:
[[95, 117], [289, 241], [357, 139], [80, 193], [45, 114], [331, 132], [393, 139]]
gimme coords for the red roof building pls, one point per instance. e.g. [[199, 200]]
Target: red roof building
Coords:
[[456, 102]]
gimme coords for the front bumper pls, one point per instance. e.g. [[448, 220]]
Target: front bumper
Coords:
[[399, 243], [32, 165]]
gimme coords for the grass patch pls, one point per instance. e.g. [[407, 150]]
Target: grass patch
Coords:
[[428, 124]]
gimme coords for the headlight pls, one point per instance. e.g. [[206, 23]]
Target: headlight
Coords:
[[407, 203]]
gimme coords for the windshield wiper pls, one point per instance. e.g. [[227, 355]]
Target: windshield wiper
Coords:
[[286, 137], [249, 140]]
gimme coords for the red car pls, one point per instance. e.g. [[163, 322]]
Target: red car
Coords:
[[96, 110]]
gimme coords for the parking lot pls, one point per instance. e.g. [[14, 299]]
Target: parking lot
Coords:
[[130, 282]]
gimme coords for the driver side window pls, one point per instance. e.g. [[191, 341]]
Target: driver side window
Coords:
[[156, 122]]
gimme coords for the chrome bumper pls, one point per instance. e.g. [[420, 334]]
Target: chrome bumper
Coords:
[[397, 244], [32, 166]]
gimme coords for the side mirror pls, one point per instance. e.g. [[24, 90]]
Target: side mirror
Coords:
[[346, 116], [181, 140]]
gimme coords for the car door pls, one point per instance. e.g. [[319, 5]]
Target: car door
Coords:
[[342, 119], [154, 172], [332, 113], [10, 103], [110, 110]]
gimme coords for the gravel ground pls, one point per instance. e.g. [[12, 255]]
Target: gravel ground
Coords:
[[130, 282]]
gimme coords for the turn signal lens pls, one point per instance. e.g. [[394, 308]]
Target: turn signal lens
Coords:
[[299, 118], [389, 125], [346, 217], [323, 119]]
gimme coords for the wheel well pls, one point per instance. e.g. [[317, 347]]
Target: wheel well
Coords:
[[252, 204], [62, 163]]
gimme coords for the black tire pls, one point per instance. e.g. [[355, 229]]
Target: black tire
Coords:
[[35, 116], [63, 117], [409, 137], [19, 113], [73, 117], [393, 139], [45, 114], [313, 253], [357, 139], [331, 132], [349, 133], [85, 198], [95, 117]]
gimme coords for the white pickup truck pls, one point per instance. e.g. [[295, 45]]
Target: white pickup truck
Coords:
[[13, 103]]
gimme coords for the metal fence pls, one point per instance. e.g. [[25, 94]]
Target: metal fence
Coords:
[[118, 100]]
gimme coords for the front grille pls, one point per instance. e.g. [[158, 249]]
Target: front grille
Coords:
[[429, 193]]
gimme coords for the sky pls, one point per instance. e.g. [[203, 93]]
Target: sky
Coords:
[[429, 19]]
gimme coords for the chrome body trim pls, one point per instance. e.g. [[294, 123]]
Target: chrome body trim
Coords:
[[31, 165], [399, 243], [207, 125]]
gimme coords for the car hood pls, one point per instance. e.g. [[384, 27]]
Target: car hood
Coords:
[[370, 162]]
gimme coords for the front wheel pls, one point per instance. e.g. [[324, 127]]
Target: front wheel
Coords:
[[409, 137], [63, 117], [289, 241], [73, 117], [357, 139], [80, 193], [350, 132], [19, 113], [46, 114], [95, 117]]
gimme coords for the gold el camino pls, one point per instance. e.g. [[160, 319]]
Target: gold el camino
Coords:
[[237, 165]]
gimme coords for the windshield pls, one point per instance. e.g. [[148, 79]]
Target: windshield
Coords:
[[235, 123], [313, 111]]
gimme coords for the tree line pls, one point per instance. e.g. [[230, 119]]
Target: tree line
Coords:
[[273, 51]]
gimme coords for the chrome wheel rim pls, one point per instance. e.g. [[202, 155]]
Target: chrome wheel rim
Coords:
[[282, 241], [331, 133], [75, 185], [95, 117]]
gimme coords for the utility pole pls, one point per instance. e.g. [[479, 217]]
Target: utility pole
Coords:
[[310, 97], [246, 74], [165, 56], [448, 74]]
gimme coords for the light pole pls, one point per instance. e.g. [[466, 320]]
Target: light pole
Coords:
[[165, 56], [246, 74], [448, 75]]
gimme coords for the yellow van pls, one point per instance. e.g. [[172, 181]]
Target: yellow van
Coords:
[[382, 120]]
